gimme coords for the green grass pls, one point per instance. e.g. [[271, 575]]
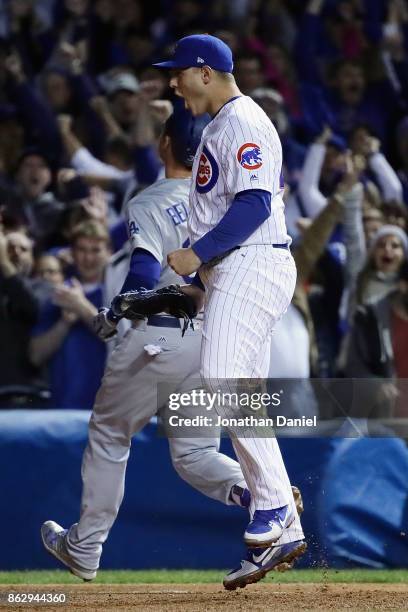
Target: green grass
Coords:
[[204, 576]]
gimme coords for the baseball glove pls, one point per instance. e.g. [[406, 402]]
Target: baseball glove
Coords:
[[143, 303]]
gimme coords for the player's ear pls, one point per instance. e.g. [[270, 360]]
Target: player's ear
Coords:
[[206, 74]]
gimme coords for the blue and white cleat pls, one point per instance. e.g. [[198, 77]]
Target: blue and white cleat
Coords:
[[53, 538], [260, 561], [267, 526]]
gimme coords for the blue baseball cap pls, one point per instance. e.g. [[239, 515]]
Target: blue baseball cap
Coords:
[[200, 50], [185, 133]]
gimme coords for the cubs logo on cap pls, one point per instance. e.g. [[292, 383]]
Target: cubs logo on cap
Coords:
[[250, 156], [207, 172]]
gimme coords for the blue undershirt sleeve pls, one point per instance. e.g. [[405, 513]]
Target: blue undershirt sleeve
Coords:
[[248, 211], [144, 271]]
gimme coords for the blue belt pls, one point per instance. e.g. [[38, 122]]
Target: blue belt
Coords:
[[159, 321], [215, 260], [284, 245]]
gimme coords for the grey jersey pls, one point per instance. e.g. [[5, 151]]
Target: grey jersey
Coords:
[[157, 222]]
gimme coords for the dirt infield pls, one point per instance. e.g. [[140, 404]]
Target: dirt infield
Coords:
[[209, 597]]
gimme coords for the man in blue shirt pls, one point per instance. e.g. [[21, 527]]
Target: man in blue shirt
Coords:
[[63, 337]]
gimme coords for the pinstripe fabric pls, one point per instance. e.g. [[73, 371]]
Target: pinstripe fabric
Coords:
[[237, 123], [248, 291]]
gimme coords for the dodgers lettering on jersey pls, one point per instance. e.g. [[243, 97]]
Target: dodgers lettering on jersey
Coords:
[[239, 150], [157, 222]]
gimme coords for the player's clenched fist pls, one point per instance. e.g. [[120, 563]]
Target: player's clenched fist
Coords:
[[183, 261]]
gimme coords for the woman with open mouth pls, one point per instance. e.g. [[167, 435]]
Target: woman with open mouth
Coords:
[[379, 276]]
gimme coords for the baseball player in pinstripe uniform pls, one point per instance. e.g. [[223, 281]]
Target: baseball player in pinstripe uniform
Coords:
[[237, 214]]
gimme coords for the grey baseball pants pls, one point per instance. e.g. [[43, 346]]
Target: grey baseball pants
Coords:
[[126, 401]]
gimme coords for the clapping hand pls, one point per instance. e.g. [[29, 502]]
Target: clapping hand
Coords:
[[70, 298]]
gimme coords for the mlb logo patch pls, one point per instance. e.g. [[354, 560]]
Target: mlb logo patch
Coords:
[[250, 156]]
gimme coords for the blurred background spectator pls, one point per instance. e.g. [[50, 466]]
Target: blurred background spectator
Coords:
[[63, 338], [21, 382], [81, 110], [378, 350]]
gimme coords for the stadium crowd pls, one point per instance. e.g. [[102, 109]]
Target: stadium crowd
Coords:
[[81, 111]]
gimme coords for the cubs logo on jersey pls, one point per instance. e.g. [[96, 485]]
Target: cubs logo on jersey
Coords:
[[207, 173], [250, 156]]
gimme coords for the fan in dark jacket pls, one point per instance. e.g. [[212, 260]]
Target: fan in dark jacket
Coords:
[[378, 353], [21, 384]]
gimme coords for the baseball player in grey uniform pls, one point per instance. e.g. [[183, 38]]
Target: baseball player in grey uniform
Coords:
[[151, 351]]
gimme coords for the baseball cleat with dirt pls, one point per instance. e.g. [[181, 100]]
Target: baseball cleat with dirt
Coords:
[[53, 537], [259, 562]]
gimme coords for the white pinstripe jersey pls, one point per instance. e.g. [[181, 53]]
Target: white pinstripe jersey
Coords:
[[239, 150]]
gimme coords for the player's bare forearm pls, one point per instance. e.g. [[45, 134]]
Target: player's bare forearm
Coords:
[[184, 261], [196, 293]]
